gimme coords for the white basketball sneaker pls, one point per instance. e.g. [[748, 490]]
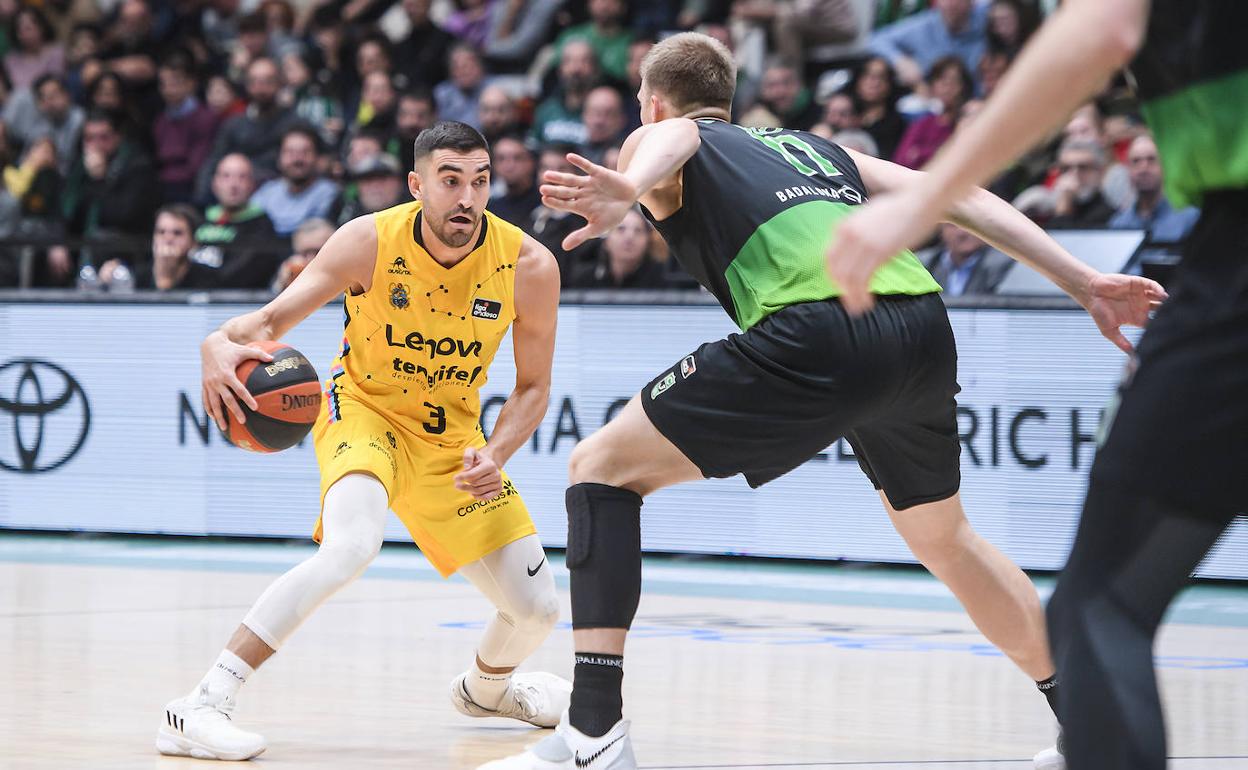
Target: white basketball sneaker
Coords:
[[570, 749], [537, 698], [199, 726], [1051, 758]]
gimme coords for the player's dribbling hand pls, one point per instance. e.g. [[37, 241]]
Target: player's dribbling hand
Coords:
[[1114, 300], [221, 387], [868, 238], [601, 196], [481, 476]]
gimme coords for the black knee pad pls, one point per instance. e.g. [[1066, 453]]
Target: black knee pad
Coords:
[[604, 555]]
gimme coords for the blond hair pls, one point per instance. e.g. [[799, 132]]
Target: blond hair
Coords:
[[691, 71]]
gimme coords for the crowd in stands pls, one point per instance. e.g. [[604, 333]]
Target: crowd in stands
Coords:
[[199, 144]]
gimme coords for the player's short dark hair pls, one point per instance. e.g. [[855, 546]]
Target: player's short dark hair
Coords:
[[448, 135], [304, 129], [691, 70]]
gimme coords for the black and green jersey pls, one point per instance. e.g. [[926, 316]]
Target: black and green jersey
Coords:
[[1192, 76], [759, 208]]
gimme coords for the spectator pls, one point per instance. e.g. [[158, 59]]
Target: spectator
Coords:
[[470, 22], [424, 53], [379, 182], [1078, 200], [1010, 24], [516, 167], [558, 118], [329, 51], [252, 44], [258, 131], [129, 53], [307, 241], [496, 113], [373, 54], [550, 226], [606, 35], [299, 193], [111, 187], [85, 42], [184, 132], [237, 240], [109, 93], [782, 100], [1087, 124], [795, 26], [875, 90], [623, 259], [223, 98], [604, 121], [377, 103], [840, 113], [518, 28], [34, 50], [951, 28], [1151, 210], [458, 96], [963, 264], [991, 68], [279, 19], [32, 186], [46, 111], [415, 114], [951, 86], [311, 101], [171, 267]]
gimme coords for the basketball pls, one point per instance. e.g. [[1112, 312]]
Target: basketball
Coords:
[[288, 393]]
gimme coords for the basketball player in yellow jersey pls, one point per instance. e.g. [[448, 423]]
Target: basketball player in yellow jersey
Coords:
[[431, 289]]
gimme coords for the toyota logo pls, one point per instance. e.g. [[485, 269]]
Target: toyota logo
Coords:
[[45, 410]]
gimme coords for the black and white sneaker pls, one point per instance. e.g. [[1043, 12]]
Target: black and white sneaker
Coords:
[[570, 749]]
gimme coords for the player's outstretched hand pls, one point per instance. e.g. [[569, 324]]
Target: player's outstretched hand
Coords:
[[868, 238], [481, 476], [602, 197], [1116, 300], [221, 388]]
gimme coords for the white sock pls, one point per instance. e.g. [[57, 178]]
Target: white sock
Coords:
[[486, 690], [226, 676]]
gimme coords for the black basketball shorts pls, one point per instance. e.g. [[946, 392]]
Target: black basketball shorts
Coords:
[[763, 402], [1179, 431]]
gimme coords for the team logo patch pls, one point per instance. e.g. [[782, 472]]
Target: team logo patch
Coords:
[[399, 267], [687, 367], [400, 296], [487, 309], [662, 385], [393, 443]]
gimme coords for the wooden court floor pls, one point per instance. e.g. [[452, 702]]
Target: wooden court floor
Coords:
[[733, 665]]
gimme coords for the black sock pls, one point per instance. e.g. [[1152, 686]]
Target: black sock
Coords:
[[596, 700], [1049, 688]]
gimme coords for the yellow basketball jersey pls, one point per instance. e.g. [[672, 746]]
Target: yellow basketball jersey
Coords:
[[418, 344]]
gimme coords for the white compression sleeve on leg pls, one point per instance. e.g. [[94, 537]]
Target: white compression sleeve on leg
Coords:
[[352, 524], [518, 580]]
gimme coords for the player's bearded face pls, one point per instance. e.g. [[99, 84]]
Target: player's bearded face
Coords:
[[454, 190]]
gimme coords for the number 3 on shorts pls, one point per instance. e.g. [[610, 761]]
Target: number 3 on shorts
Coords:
[[438, 416]]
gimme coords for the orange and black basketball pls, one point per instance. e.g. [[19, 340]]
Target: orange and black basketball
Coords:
[[289, 396]]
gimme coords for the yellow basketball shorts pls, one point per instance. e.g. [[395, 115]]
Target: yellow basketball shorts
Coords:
[[451, 528]]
